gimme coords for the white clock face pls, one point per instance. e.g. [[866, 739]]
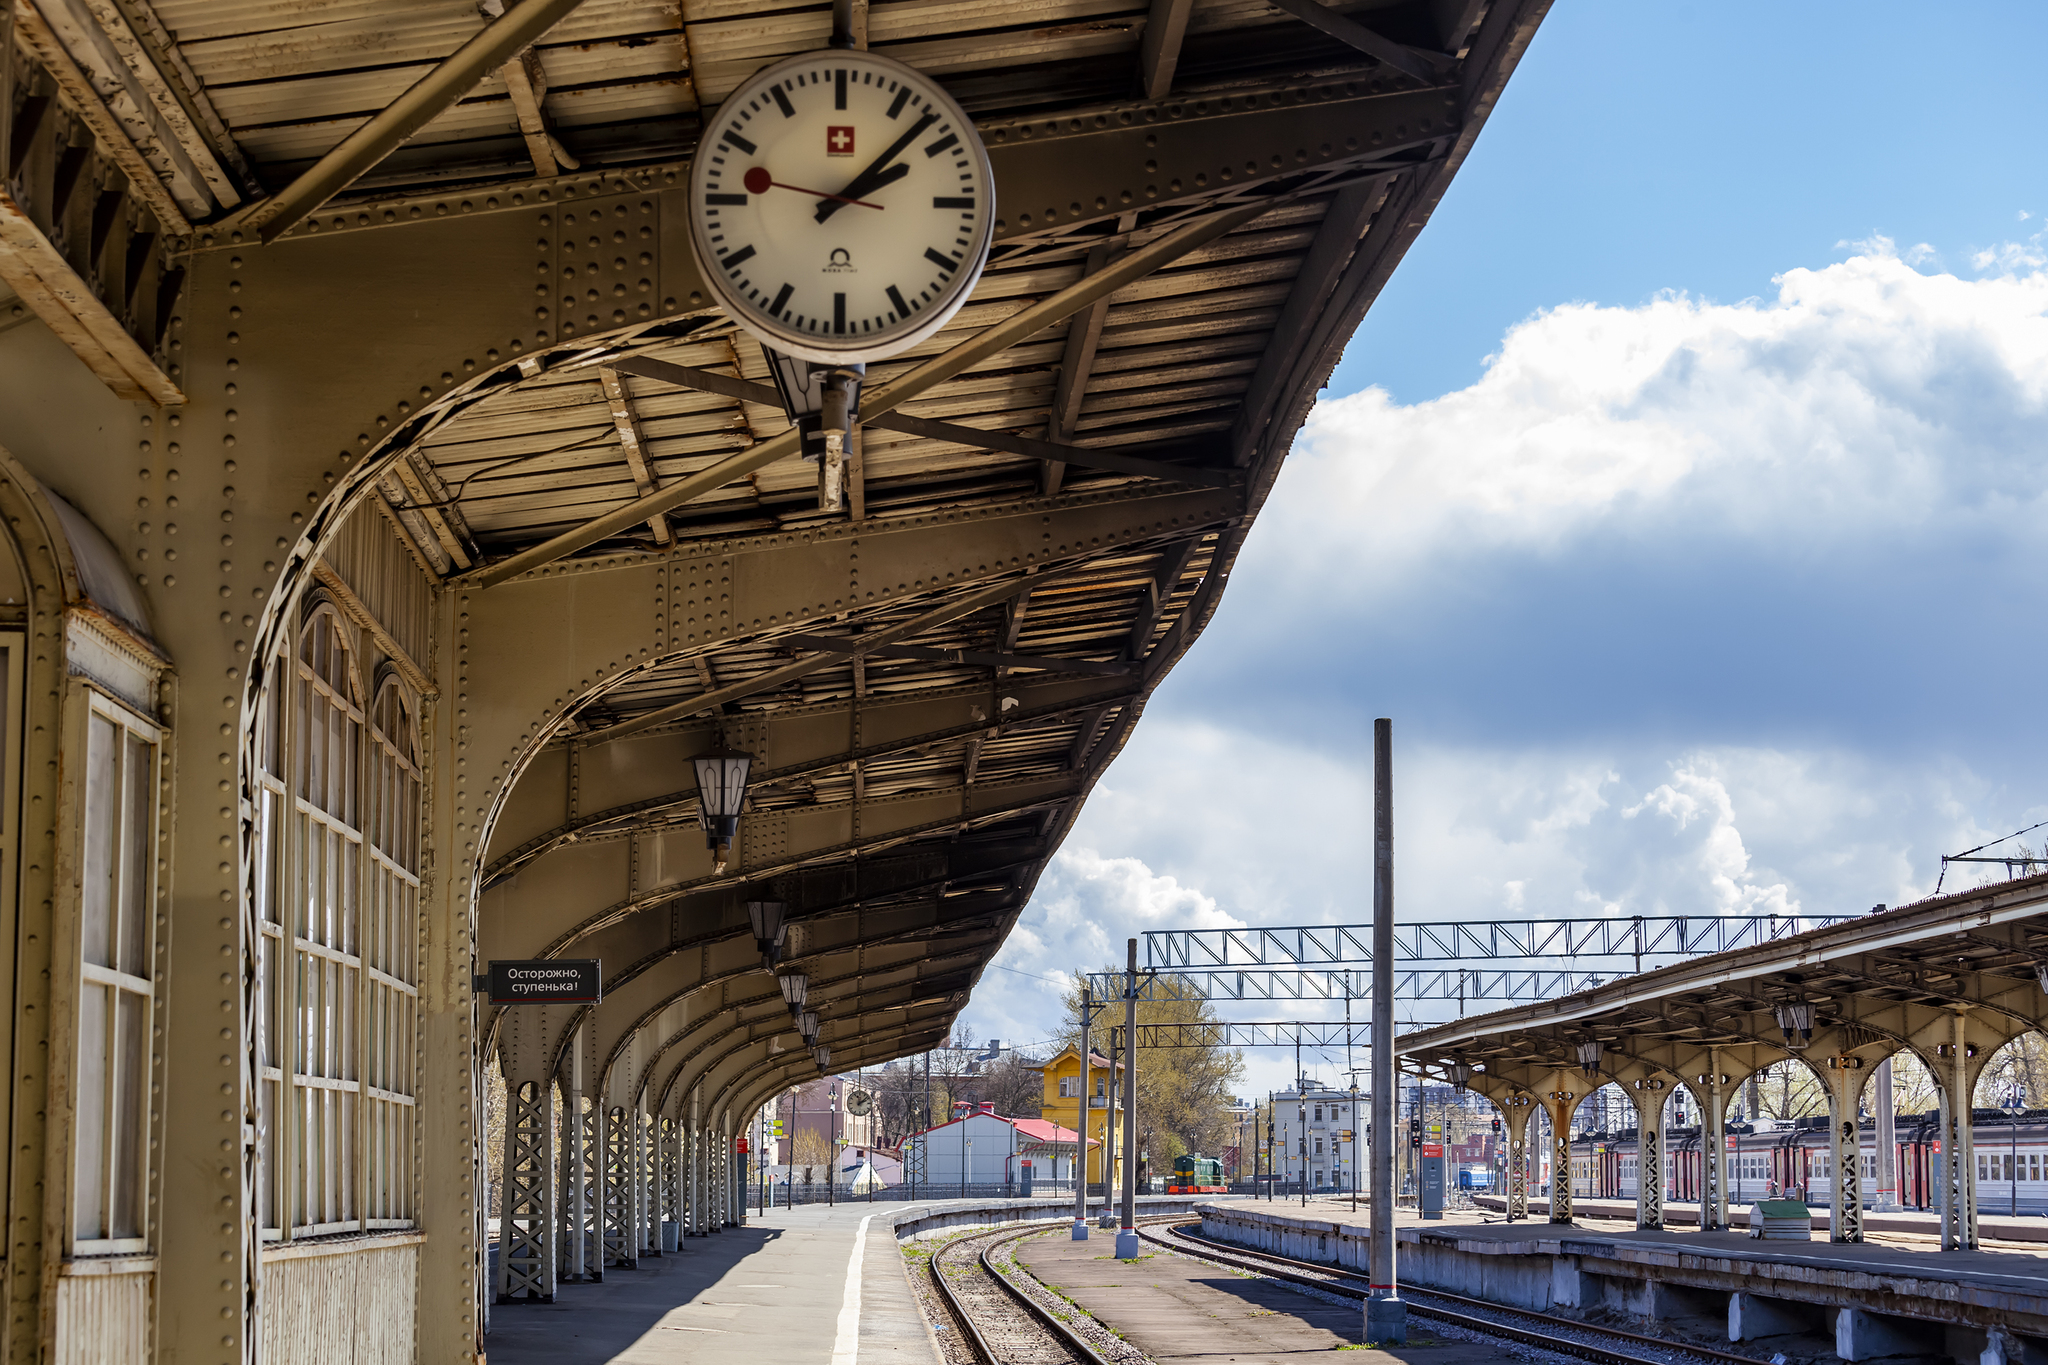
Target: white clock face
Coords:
[[841, 205]]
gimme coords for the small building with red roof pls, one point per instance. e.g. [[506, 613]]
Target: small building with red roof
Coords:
[[980, 1149]]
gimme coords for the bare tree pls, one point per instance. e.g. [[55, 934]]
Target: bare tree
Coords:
[[1013, 1085], [2022, 1066], [1789, 1090]]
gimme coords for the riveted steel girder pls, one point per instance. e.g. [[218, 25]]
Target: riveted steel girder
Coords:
[[534, 913], [795, 742], [842, 950], [1059, 172]]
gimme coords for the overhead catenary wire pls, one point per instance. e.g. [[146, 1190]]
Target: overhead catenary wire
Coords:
[[1964, 856]]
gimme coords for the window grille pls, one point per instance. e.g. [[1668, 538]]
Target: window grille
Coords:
[[116, 982], [337, 895]]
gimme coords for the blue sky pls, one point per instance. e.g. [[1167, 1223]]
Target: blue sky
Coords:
[[1681, 499]]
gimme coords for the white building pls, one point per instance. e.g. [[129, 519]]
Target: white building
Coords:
[[984, 1148], [1320, 1131]]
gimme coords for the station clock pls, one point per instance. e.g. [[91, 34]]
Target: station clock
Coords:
[[841, 205]]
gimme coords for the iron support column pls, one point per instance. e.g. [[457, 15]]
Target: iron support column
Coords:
[[1713, 1148], [1845, 1151], [617, 1231], [1518, 1159], [1887, 1140], [1080, 1233], [1957, 1077], [1127, 1235], [1562, 1105], [1650, 1104], [1386, 1317], [526, 1255]]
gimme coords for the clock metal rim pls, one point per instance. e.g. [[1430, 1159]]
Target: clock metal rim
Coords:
[[807, 345]]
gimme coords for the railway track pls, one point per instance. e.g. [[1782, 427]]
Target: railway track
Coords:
[[1606, 1345], [1001, 1323]]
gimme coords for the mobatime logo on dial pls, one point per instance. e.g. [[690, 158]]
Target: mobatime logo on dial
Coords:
[[841, 205]]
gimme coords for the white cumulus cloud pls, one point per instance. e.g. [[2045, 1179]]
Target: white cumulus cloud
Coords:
[[1688, 608], [1856, 400]]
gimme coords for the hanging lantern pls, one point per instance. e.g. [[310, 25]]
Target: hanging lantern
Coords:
[[823, 1055], [770, 928], [1461, 1075], [1589, 1056], [807, 1025], [795, 986], [1795, 1017], [721, 791]]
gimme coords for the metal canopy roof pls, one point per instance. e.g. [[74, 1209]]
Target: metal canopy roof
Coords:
[[1197, 202], [1027, 674], [625, 82], [1923, 977]]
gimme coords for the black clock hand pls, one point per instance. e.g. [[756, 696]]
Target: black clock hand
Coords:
[[889, 177], [872, 176]]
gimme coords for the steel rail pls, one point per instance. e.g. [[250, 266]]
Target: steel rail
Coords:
[[1067, 1335], [975, 1341], [1262, 1261]]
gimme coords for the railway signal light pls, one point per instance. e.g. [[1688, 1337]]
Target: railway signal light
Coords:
[[1496, 1125]]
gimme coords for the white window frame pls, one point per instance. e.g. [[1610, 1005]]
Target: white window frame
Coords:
[[361, 1168], [117, 983]]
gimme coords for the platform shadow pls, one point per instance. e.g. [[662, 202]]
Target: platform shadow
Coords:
[[595, 1323]]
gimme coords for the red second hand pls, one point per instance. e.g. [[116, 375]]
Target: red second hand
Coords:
[[758, 181]]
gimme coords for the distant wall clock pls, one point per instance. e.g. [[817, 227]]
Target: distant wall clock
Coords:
[[841, 205]]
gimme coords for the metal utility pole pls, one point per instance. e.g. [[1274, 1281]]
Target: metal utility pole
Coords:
[[1109, 1133], [1080, 1233], [1353, 1074], [1386, 1317], [1301, 1118], [1887, 1139], [1127, 1235]]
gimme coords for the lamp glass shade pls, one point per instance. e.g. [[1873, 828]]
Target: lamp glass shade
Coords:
[[766, 917], [795, 985], [721, 791], [807, 1024], [824, 1056]]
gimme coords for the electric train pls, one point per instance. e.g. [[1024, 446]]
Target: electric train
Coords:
[[1795, 1159]]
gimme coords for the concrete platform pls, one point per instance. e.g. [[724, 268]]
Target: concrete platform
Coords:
[[1181, 1311], [1938, 1303], [823, 1284], [784, 1278]]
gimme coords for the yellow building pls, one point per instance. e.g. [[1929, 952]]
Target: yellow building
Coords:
[[1062, 1104]]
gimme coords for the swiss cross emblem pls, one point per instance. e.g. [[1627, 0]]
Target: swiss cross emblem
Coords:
[[838, 141]]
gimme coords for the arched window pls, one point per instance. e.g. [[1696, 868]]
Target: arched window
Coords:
[[391, 955], [337, 892]]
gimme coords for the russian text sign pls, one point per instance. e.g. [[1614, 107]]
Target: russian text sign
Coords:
[[546, 981]]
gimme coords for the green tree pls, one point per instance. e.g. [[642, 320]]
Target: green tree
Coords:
[[1183, 1090]]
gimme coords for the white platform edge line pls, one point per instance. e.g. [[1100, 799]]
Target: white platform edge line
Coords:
[[846, 1342]]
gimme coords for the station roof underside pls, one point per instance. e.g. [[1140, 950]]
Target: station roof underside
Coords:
[[1037, 536], [939, 772]]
